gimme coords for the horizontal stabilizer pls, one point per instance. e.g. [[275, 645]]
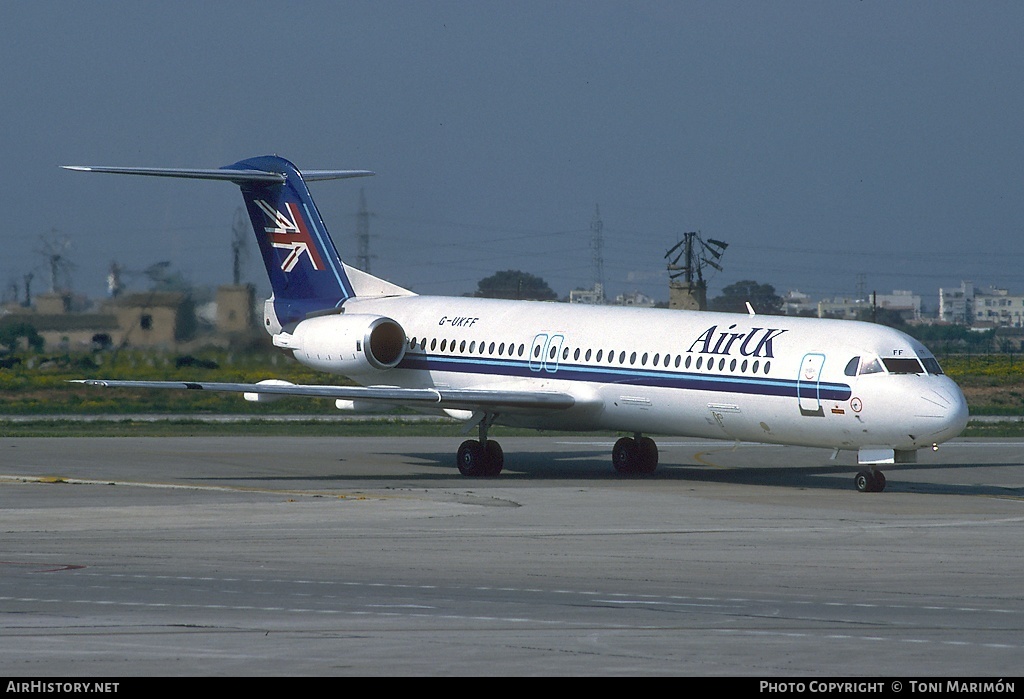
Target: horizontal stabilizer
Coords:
[[230, 175]]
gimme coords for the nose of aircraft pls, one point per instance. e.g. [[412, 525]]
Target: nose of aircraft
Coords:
[[945, 412]]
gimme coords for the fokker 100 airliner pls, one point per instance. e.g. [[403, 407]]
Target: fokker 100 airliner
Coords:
[[835, 384]]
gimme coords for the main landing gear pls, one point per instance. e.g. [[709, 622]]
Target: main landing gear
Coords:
[[869, 481], [476, 459], [635, 454], [482, 457]]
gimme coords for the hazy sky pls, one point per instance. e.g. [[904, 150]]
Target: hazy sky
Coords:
[[821, 140]]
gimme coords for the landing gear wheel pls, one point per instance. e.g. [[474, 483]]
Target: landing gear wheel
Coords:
[[475, 460], [471, 459], [647, 455], [869, 481], [624, 455], [494, 458], [635, 455]]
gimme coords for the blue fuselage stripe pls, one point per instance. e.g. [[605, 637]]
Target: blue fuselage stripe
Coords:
[[634, 377]]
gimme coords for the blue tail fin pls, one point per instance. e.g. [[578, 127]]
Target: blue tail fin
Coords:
[[305, 270]]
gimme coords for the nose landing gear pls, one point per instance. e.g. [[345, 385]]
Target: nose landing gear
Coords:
[[869, 481]]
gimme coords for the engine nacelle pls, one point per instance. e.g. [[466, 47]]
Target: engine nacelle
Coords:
[[348, 344]]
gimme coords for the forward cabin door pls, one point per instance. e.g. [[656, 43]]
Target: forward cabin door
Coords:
[[808, 385]]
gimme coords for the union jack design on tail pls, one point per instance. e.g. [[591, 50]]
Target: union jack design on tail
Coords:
[[290, 233]]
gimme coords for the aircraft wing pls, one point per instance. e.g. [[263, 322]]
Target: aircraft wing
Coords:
[[459, 399]]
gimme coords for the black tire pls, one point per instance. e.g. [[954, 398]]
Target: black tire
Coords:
[[494, 458], [647, 455], [624, 455], [471, 459], [864, 482]]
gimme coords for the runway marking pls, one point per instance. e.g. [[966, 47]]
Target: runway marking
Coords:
[[699, 458], [45, 567], [208, 488], [701, 605], [740, 607], [873, 639], [517, 620], [621, 598]]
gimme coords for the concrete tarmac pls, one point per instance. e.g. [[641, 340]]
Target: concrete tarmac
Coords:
[[362, 556]]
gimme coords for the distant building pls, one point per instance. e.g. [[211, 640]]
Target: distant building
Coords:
[[842, 307], [593, 297], [60, 330], [998, 308], [687, 296], [162, 320], [153, 319], [596, 297], [635, 299], [797, 303], [906, 303], [235, 309], [957, 305], [991, 307]]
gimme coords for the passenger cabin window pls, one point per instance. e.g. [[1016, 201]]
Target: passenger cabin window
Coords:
[[903, 365]]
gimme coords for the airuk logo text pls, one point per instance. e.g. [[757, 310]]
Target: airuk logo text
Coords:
[[756, 342]]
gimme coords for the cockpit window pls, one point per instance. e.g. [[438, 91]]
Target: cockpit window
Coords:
[[870, 365], [931, 365], [903, 365], [851, 367]]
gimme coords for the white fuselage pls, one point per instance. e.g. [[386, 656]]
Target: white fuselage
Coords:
[[773, 379]]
